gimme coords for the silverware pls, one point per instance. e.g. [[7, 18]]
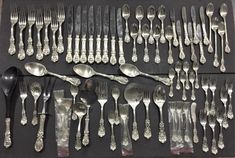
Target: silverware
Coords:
[[83, 57], [39, 26], [194, 119], [159, 98], [186, 110], [126, 14], [178, 68], [113, 29], [38, 69], [134, 34], [202, 55], [23, 96], [219, 118], [183, 80], [224, 99], [116, 94], [214, 26], [205, 87], [221, 31], [223, 14], [156, 36], [190, 33], [209, 13], [186, 70], [47, 22], [194, 21], [162, 16], [69, 56], [212, 87], [212, 124], [121, 59], [203, 122], [60, 18], [203, 21], [91, 30], [139, 15], [132, 71], [181, 48], [14, 19], [195, 69], [111, 119], [74, 92], [173, 24], [185, 22], [151, 13], [145, 35], [229, 87], [76, 56], [192, 80], [133, 94], [169, 36], [54, 28], [98, 23], [86, 71], [105, 57], [146, 101], [171, 77], [36, 90], [31, 21], [22, 26]]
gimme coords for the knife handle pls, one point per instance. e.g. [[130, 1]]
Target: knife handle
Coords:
[[91, 50], [105, 57], [186, 40], [76, 49], [121, 59], [83, 57], [7, 138], [39, 144], [175, 40], [113, 59], [205, 40], [69, 57], [195, 38], [98, 49]]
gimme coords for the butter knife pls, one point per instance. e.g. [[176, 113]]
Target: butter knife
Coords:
[[98, 23], [194, 20], [76, 56], [113, 59], [105, 57], [69, 57], [190, 33], [194, 120], [185, 21], [179, 32], [199, 34], [91, 34], [172, 17], [83, 57], [202, 17], [121, 59]]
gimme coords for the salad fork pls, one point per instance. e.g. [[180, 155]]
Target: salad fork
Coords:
[[39, 25], [14, 19], [47, 21], [205, 87], [212, 124], [23, 96], [224, 99], [212, 87], [54, 28], [146, 101], [60, 18], [22, 25], [203, 122], [229, 87], [31, 22]]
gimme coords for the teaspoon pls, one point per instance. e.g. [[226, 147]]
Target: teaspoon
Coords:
[[195, 69], [169, 36], [186, 69], [171, 76], [192, 80], [126, 15], [202, 55], [156, 35], [223, 14], [145, 34], [178, 67], [209, 13], [134, 34], [151, 13], [182, 80], [221, 31], [162, 16], [214, 26], [139, 15]]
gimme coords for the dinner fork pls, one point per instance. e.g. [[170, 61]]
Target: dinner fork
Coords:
[[39, 25], [212, 124], [14, 19], [22, 25], [102, 93], [61, 18], [205, 87], [203, 122], [229, 87], [54, 28], [23, 96], [146, 101], [224, 99], [31, 22], [47, 21], [212, 87]]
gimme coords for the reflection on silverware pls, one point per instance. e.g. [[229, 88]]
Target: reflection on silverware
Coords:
[[116, 94], [185, 23], [178, 68], [171, 76], [60, 18]]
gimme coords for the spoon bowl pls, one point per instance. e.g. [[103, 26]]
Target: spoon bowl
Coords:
[[125, 11], [84, 70], [130, 70], [210, 10], [224, 10], [36, 69]]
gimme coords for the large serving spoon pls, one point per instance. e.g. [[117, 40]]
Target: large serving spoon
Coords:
[[9, 81], [38, 69], [132, 71], [86, 71]]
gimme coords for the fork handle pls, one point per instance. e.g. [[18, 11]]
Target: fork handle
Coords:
[[60, 47], [46, 48], [85, 140], [39, 144], [12, 48]]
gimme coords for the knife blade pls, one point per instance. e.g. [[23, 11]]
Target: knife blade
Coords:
[[178, 28], [190, 30], [78, 20], [193, 14], [113, 21], [106, 20], [184, 14], [98, 21], [70, 20], [84, 20], [202, 14], [172, 15], [91, 21], [119, 23]]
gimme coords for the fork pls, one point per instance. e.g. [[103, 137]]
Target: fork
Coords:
[[14, 19], [203, 122], [205, 87], [102, 93], [61, 18], [39, 25], [47, 21], [31, 22], [212, 124], [229, 87], [22, 25], [224, 99], [54, 28], [212, 87], [23, 96], [219, 118], [146, 101]]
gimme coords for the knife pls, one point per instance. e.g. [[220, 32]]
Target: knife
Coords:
[[190, 33], [199, 34], [69, 57], [77, 32], [113, 59], [83, 57], [121, 59], [202, 17], [172, 17], [184, 17], [105, 57], [98, 34], [193, 113], [91, 33], [178, 29], [194, 20]]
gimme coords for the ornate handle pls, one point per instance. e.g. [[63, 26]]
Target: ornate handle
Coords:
[[187, 81], [178, 82], [204, 143], [221, 141], [195, 136], [91, 50], [12, 48], [170, 57], [193, 97], [230, 110], [83, 57], [205, 40], [171, 94], [147, 130], [195, 37], [105, 57], [121, 59], [125, 139], [23, 120], [202, 56], [134, 57], [151, 39], [39, 144], [135, 133], [193, 55], [113, 143], [184, 97], [127, 38], [98, 50], [54, 55], [181, 54], [85, 140], [196, 81], [21, 54], [120, 79], [157, 56], [101, 130], [113, 59], [139, 37], [76, 50], [162, 133], [74, 81], [225, 121], [117, 119], [214, 149], [60, 47], [162, 38], [146, 52], [7, 138], [175, 40], [164, 80], [46, 47], [35, 118], [30, 50], [78, 144], [227, 48], [186, 39], [69, 57]]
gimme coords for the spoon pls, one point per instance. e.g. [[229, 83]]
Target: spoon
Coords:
[[162, 16], [132, 71], [36, 90], [74, 93], [151, 13], [223, 14], [86, 71], [133, 94], [195, 69], [209, 13], [221, 31], [186, 69], [156, 36], [38, 69], [169, 36], [171, 76], [145, 34], [182, 80], [9, 81], [126, 15], [214, 26], [192, 80], [139, 15], [116, 95], [111, 119], [178, 67], [159, 98], [134, 34]]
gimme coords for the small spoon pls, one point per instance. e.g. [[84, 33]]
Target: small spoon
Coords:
[[151, 13], [195, 69], [192, 80], [162, 16], [126, 15], [87, 71], [145, 34], [221, 31], [169, 37], [178, 67], [209, 13], [116, 95], [186, 69], [223, 14], [139, 15], [156, 35], [134, 34], [171, 76], [214, 26], [182, 80]]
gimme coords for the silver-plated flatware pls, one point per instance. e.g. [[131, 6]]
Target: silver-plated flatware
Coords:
[[116, 94], [161, 17], [105, 57], [214, 27], [203, 23], [83, 57], [134, 34], [77, 29], [205, 87], [126, 14], [195, 69], [113, 32], [91, 30], [229, 87], [219, 118], [183, 80], [14, 19], [151, 13], [139, 15], [22, 26], [194, 120], [39, 26], [111, 119], [209, 13], [203, 122], [146, 101], [185, 23], [192, 77], [190, 33], [36, 90], [171, 75], [31, 18], [221, 31], [74, 92], [23, 96], [47, 22], [54, 29], [98, 24], [212, 124], [186, 67], [202, 55], [223, 14], [145, 35], [194, 21], [61, 19], [156, 36], [121, 59], [224, 100], [179, 32], [173, 24], [169, 37], [178, 68]]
